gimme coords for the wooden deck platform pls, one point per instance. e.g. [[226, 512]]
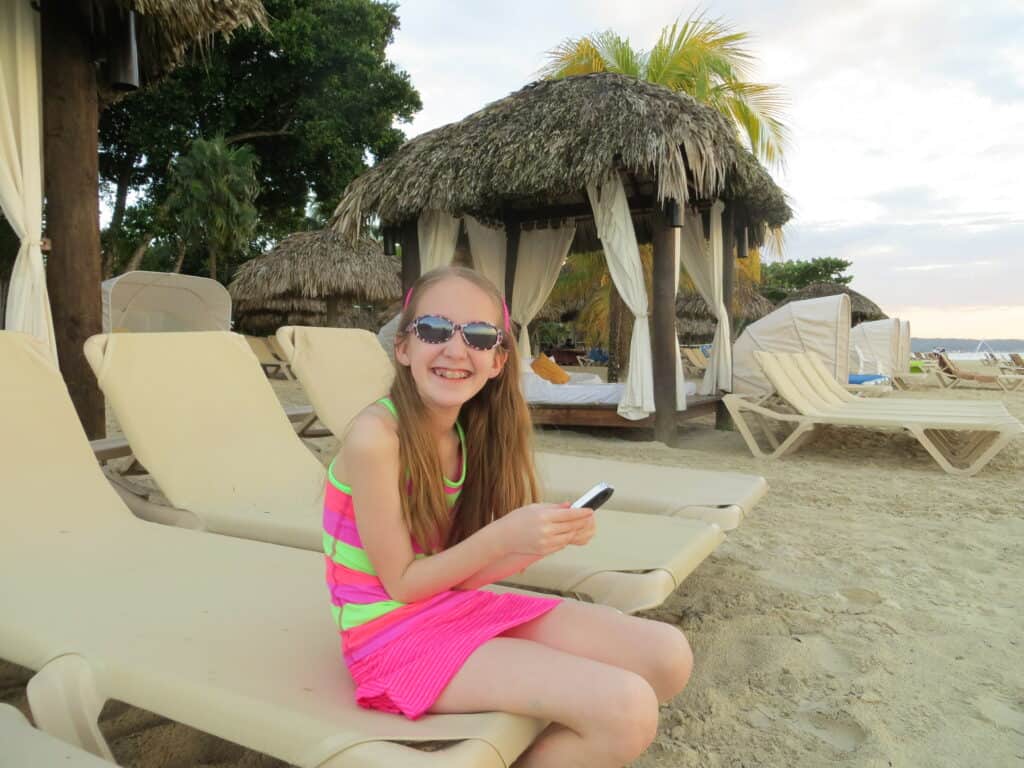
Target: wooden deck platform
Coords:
[[607, 416]]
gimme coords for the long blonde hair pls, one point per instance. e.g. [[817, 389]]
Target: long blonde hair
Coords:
[[499, 458]]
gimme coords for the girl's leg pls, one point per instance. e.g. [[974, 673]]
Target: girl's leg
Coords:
[[601, 715], [655, 650]]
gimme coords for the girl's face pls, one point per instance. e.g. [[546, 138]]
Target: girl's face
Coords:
[[451, 373]]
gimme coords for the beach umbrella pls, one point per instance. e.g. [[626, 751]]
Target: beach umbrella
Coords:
[[862, 309], [313, 273]]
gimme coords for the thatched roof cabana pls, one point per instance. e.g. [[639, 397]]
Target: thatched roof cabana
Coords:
[[319, 265], [696, 324], [539, 159], [556, 137], [862, 308]]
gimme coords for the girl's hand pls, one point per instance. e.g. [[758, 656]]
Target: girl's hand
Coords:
[[585, 532], [540, 529]]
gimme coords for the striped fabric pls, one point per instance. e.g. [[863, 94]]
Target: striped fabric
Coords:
[[402, 655]]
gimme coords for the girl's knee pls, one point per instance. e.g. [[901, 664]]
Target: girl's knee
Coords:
[[632, 718], [672, 659]]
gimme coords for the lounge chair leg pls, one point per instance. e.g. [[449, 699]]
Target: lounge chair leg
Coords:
[[793, 441], [65, 703], [984, 446]]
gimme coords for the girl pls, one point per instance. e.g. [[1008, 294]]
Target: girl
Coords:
[[429, 500]]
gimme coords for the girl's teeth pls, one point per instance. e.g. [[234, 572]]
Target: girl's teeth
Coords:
[[451, 374]]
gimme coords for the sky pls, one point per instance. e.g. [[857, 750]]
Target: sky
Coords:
[[907, 123]]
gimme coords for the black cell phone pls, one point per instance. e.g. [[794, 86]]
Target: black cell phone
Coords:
[[595, 497]]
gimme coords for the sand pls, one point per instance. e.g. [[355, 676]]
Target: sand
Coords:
[[868, 613]]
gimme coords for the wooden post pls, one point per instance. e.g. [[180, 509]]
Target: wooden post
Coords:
[[512, 232], [71, 177], [333, 305], [722, 418], [663, 328], [409, 237]]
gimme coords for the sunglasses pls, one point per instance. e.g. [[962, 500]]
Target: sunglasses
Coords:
[[437, 329]]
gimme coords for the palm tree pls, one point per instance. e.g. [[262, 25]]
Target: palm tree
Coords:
[[211, 199], [702, 57]]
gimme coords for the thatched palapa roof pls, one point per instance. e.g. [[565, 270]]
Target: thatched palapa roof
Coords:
[[542, 145], [696, 324], [861, 307], [166, 29], [319, 265]]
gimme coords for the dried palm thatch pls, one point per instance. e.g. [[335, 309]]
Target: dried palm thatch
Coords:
[[756, 197], [542, 145], [695, 323], [166, 29], [862, 308], [319, 265]]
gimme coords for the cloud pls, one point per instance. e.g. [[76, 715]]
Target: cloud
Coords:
[[907, 121]]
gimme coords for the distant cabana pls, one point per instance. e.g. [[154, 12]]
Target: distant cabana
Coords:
[[312, 273], [593, 161], [696, 324], [862, 308]]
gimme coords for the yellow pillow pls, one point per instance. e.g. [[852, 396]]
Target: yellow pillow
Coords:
[[548, 370]]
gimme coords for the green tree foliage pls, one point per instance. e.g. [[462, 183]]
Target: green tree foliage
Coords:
[[315, 97], [210, 202], [781, 278], [702, 57]]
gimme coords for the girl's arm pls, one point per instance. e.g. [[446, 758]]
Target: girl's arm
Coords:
[[371, 462], [515, 563]]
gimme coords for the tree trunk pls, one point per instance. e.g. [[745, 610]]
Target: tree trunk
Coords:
[[181, 257], [615, 305], [71, 176], [213, 264], [113, 232], [140, 251]]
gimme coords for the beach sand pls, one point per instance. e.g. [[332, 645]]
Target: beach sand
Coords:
[[868, 613]]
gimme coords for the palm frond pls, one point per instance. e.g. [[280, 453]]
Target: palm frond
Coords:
[[572, 57]]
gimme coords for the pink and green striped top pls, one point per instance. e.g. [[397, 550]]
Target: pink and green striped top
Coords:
[[363, 611]]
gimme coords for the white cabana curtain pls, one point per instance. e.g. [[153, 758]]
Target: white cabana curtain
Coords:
[[538, 262], [21, 169], [703, 262], [487, 247], [438, 233], [615, 228]]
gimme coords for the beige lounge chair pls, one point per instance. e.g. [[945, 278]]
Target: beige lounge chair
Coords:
[[273, 366], [951, 376], [227, 456], [228, 636], [1015, 366], [323, 357], [696, 358], [961, 437], [22, 746]]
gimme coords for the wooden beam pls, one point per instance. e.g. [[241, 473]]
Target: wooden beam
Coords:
[[722, 418], [409, 237], [663, 328], [512, 232], [74, 268], [576, 210]]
